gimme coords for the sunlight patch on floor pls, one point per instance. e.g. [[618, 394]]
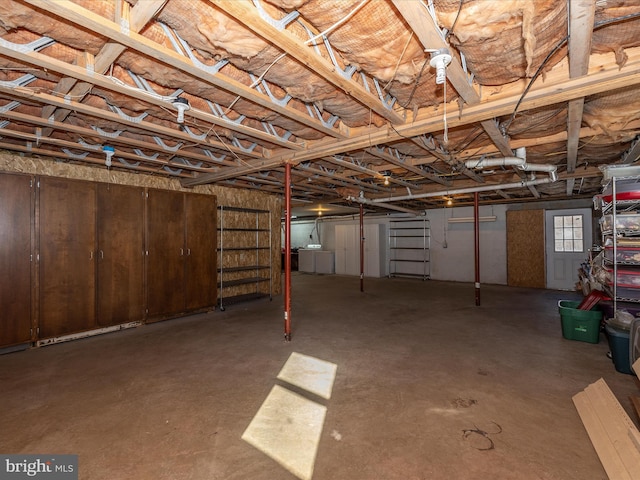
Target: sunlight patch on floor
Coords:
[[312, 374], [288, 426]]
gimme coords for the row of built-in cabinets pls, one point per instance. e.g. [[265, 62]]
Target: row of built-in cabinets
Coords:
[[79, 256]]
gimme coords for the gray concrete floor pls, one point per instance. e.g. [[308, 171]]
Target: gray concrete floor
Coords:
[[417, 364]]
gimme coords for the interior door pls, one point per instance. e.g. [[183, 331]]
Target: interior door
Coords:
[[201, 253], [16, 208], [568, 236], [67, 244], [347, 255], [120, 254], [165, 253]]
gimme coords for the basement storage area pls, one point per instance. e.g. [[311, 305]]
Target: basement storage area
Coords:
[[319, 239]]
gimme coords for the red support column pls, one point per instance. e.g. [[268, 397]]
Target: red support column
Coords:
[[476, 231], [361, 247], [287, 252]]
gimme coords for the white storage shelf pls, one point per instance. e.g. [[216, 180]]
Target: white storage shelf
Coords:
[[409, 248], [620, 223]]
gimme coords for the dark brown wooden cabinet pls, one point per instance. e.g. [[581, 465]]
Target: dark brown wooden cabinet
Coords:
[[120, 254], [67, 259], [165, 252], [79, 256], [16, 248], [201, 243], [180, 253]]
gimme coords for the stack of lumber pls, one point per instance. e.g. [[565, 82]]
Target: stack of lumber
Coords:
[[613, 434]]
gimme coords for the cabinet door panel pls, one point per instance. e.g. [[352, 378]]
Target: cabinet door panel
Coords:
[[16, 207], [165, 261], [120, 254], [201, 242], [67, 256]]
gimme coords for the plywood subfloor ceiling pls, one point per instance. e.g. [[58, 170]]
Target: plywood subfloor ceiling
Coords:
[[342, 90]]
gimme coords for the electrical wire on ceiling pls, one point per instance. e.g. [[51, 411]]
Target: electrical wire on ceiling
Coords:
[[395, 70], [307, 42], [561, 44], [453, 25]]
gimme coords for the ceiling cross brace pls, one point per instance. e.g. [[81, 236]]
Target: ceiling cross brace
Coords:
[[279, 24], [182, 47]]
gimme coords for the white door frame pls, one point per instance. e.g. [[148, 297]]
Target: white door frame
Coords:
[[562, 267]]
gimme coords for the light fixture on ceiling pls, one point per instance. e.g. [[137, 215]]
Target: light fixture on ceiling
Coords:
[[386, 181], [439, 60], [108, 151], [182, 104], [449, 201]]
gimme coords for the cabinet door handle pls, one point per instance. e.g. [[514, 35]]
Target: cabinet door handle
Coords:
[[188, 251], [181, 252], [101, 254], [90, 254]]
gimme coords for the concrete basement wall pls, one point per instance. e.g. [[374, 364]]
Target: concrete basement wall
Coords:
[[456, 261]]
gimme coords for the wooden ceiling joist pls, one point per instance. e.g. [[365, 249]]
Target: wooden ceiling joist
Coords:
[[87, 19], [580, 30], [137, 18], [244, 12], [604, 80]]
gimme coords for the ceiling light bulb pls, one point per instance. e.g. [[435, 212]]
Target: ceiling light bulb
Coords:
[[386, 181], [439, 60], [449, 202], [182, 104]]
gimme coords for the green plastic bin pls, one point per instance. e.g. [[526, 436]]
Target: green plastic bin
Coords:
[[580, 325]]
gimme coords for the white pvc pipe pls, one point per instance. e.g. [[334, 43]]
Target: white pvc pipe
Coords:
[[495, 162], [483, 188], [367, 201]]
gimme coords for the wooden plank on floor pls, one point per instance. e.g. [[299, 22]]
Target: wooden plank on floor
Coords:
[[636, 404], [616, 423], [607, 453], [635, 438]]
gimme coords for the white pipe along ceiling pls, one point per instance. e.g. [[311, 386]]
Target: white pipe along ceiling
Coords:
[[394, 104]]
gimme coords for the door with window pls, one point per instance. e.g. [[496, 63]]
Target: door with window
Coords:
[[568, 237]]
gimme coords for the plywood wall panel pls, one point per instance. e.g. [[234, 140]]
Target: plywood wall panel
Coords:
[[525, 248]]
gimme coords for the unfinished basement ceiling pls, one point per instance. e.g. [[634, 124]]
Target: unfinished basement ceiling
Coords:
[[342, 90]]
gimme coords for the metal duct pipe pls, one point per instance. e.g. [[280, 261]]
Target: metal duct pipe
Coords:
[[519, 161], [483, 188]]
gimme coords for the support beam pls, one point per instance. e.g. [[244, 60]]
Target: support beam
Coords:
[[287, 252], [581, 18], [362, 240], [476, 243]]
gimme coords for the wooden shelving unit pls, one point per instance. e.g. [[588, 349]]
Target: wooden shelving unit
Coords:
[[245, 270]]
